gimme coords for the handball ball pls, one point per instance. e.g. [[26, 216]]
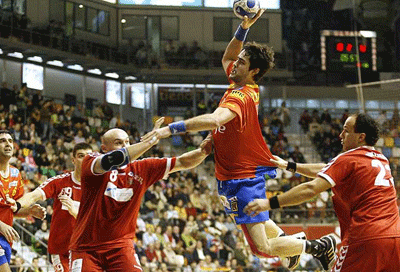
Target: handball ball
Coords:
[[246, 7]]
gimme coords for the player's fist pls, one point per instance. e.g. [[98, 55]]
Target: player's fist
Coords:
[[37, 211], [12, 202]]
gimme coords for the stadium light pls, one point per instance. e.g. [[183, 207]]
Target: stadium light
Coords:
[[1, 51], [17, 55], [95, 71], [123, 21], [35, 59], [75, 67], [130, 78], [112, 75], [56, 63]]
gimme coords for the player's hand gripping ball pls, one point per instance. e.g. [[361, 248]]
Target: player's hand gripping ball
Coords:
[[246, 7]]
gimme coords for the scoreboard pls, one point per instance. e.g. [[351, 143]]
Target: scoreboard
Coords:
[[348, 50]]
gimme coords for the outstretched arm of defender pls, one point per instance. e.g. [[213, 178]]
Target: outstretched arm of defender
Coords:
[[123, 156], [26, 200], [193, 158], [295, 196], [309, 170]]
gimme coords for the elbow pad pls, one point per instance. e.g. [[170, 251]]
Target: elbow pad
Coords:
[[114, 159]]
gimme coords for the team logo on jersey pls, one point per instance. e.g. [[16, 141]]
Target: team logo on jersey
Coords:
[[13, 183], [132, 177], [237, 94], [14, 172]]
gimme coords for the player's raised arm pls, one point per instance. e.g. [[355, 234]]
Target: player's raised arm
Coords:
[[235, 45]]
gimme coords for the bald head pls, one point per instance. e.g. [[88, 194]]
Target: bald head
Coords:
[[114, 139]]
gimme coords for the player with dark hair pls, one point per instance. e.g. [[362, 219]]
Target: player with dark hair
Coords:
[[65, 189], [113, 185], [364, 198], [11, 189], [242, 158]]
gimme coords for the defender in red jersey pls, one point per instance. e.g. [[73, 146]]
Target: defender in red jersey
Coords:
[[113, 185], [65, 189], [11, 188], [242, 158], [364, 198]]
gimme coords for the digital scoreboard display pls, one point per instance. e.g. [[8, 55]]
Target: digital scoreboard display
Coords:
[[348, 50]]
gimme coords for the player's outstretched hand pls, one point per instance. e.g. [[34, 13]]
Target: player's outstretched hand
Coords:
[[256, 206], [279, 162], [9, 232], [37, 211], [248, 22], [12, 202], [157, 133], [207, 145]]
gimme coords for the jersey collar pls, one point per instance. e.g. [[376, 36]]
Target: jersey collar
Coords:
[[74, 179]]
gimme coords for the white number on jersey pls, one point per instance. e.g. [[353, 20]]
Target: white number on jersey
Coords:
[[380, 178], [113, 175]]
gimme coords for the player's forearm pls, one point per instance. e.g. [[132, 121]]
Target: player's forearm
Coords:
[[202, 123], [309, 169], [232, 50], [297, 195], [189, 160], [23, 212], [30, 198]]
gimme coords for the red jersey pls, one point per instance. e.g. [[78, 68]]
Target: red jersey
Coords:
[[364, 195], [240, 149], [62, 222], [111, 201], [12, 185]]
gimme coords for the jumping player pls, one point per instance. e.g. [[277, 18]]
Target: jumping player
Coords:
[[241, 155], [364, 198], [11, 189], [65, 189], [113, 185]]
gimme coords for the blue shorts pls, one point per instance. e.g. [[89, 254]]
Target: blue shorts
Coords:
[[5, 251], [235, 194]]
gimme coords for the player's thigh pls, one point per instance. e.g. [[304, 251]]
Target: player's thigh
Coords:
[[84, 262], [374, 255], [60, 262], [122, 260]]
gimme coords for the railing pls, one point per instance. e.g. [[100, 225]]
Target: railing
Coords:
[[56, 38], [26, 234]]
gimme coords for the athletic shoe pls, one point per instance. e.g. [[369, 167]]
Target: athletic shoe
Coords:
[[328, 256], [293, 261]]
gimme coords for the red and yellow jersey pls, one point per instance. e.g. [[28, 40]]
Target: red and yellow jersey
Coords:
[[364, 195], [240, 148], [12, 185], [111, 201], [62, 222]]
